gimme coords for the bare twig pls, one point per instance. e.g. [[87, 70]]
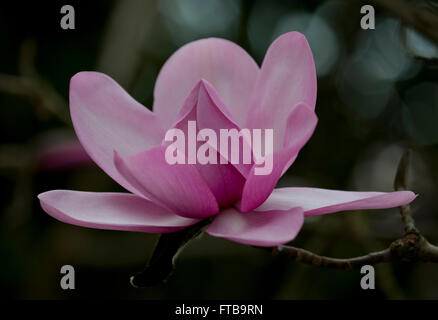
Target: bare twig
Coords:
[[305, 256], [400, 184]]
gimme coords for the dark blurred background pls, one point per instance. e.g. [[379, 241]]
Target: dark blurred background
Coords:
[[377, 96]]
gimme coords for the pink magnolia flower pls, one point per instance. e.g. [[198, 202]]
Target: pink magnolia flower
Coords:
[[216, 83]]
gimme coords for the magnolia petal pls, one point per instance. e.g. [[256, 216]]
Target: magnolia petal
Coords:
[[212, 113], [258, 187], [301, 123], [111, 211], [179, 187], [316, 201], [106, 117], [224, 64], [287, 78], [204, 106], [268, 228]]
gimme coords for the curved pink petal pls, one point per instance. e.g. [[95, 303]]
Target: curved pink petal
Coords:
[[258, 187], [106, 117], [268, 228], [287, 78], [224, 181], [111, 211], [321, 201], [205, 107], [181, 188], [212, 113], [301, 123], [224, 64]]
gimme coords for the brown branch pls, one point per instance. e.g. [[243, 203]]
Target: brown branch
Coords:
[[305, 256], [412, 247], [400, 183]]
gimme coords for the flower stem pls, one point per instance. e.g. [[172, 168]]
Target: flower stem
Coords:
[[161, 264]]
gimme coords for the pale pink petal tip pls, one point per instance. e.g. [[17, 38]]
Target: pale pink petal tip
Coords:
[[315, 201]]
